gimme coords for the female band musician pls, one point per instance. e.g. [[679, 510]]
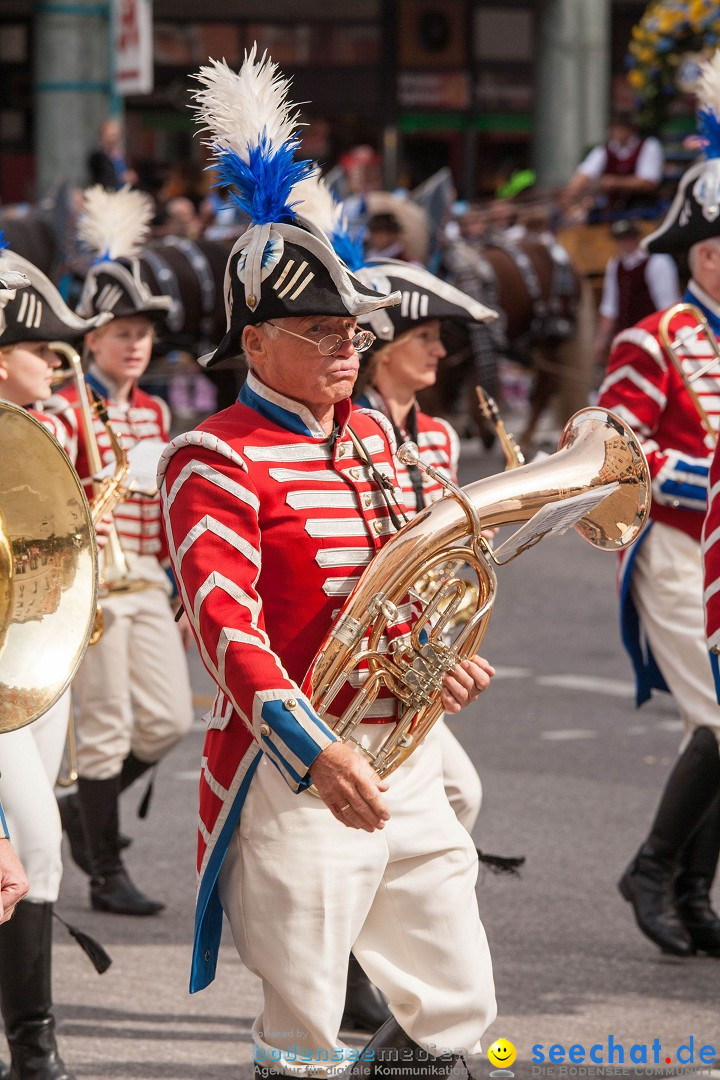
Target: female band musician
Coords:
[[132, 692], [30, 758], [403, 362]]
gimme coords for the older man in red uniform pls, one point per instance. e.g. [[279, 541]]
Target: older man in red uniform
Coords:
[[272, 510]]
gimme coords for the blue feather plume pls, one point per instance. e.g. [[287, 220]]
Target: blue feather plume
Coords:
[[349, 248], [262, 185], [709, 129]]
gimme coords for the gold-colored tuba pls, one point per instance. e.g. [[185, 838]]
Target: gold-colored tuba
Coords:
[[598, 482], [678, 343], [48, 569]]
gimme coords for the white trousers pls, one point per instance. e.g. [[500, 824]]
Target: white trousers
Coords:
[[667, 587], [132, 690], [301, 891], [30, 761], [460, 778]]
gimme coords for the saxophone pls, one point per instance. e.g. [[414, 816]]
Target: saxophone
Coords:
[[598, 482]]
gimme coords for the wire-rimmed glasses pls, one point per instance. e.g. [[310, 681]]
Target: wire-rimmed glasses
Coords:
[[329, 345]]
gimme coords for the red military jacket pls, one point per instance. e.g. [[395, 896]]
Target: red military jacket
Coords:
[[643, 387], [437, 443], [269, 525], [137, 518]]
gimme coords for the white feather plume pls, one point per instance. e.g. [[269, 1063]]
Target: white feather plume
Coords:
[[315, 202], [239, 108], [115, 223], [707, 88]]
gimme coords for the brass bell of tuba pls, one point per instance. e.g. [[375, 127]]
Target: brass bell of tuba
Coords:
[[48, 569], [598, 482]]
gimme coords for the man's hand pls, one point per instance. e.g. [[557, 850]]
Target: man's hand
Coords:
[[350, 787], [465, 682], [13, 883]]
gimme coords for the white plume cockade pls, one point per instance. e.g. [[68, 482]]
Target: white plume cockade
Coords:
[[253, 135], [317, 204], [115, 224]]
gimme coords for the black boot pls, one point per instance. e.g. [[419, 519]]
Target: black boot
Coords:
[[391, 1052], [26, 994], [648, 883], [365, 1007], [71, 819], [694, 882], [111, 889], [132, 769]]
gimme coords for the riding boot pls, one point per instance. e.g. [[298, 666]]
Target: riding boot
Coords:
[[692, 888], [111, 888], [365, 1007], [391, 1052], [648, 883], [26, 994], [71, 820]]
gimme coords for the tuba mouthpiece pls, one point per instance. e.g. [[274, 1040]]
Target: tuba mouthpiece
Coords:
[[408, 453]]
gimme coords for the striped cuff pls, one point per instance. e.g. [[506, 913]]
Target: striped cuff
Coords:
[[4, 831], [682, 482], [291, 734]]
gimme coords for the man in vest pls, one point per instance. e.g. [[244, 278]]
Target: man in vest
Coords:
[[635, 285], [621, 173]]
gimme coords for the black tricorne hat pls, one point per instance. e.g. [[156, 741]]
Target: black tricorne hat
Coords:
[[37, 312], [280, 271], [283, 266], [114, 287], [114, 225], [423, 297], [695, 211], [694, 214]]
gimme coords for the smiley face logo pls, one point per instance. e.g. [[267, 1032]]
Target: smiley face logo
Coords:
[[502, 1053]]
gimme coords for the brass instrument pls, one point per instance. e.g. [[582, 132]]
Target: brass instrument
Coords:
[[48, 569], [674, 345], [435, 579], [598, 481], [488, 407]]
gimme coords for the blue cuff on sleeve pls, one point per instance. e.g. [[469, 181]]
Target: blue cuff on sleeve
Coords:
[[296, 736]]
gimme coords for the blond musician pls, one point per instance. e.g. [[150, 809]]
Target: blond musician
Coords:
[[132, 692], [30, 758]]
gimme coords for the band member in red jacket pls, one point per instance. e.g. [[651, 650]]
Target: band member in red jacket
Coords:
[[31, 756], [132, 691], [272, 510], [669, 881]]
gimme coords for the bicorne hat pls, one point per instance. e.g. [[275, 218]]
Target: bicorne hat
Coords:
[[695, 211], [33, 309], [423, 296], [114, 225], [283, 265]]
